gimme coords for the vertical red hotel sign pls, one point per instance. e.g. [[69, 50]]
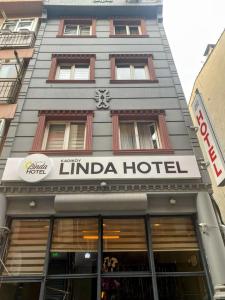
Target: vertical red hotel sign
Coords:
[[208, 140]]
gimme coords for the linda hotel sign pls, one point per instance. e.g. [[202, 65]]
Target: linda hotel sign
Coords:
[[37, 167], [208, 140]]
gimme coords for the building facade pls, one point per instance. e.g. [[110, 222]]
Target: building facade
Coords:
[[102, 193], [209, 89]]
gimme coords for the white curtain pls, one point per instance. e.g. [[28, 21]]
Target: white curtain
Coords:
[[127, 136]]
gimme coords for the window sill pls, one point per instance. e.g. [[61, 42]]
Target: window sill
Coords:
[[63, 152], [134, 81], [143, 151], [76, 36], [128, 36], [69, 81]]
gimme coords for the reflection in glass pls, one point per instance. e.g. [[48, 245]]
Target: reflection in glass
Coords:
[[19, 290], [71, 289], [182, 288], [74, 246], [124, 245], [123, 72], [139, 72], [26, 248], [126, 289], [175, 245]]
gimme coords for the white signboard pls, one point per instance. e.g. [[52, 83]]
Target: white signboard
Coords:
[[209, 141], [100, 168]]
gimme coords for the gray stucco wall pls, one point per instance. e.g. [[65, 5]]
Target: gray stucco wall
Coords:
[[36, 94]]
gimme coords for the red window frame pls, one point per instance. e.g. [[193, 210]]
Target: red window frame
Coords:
[[149, 115], [61, 115], [124, 21], [146, 59], [77, 21], [71, 59]]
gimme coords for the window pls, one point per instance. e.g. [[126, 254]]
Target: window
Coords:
[[73, 72], [132, 68], [128, 28], [139, 135], [77, 28], [19, 25], [140, 132], [8, 68], [103, 258], [64, 131], [72, 68]]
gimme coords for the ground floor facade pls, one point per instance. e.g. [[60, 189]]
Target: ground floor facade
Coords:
[[107, 244]]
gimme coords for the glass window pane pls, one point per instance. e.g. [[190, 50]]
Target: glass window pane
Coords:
[[55, 139], [127, 136], [26, 247], [134, 30], [154, 135], [10, 25], [123, 72], [8, 70], [84, 30], [175, 245], [120, 30], [76, 139], [64, 73], [124, 245], [71, 289], [81, 72], [185, 288], [70, 29], [140, 73], [74, 246], [20, 290], [127, 289], [24, 25]]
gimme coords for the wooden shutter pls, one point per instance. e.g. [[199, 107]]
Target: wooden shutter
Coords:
[[124, 235], [76, 138], [75, 235], [27, 247], [173, 234]]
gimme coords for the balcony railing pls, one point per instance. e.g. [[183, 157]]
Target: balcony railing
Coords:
[[16, 39], [9, 89]]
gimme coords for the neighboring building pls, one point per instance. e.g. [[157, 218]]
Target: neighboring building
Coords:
[[101, 193], [209, 90]]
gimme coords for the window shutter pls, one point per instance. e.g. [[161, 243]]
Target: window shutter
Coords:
[[64, 72], [81, 72], [55, 139], [173, 234], [76, 139], [27, 247], [75, 235]]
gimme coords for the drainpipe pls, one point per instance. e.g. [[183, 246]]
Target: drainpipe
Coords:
[[212, 242]]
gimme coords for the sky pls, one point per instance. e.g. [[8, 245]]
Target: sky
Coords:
[[190, 26]]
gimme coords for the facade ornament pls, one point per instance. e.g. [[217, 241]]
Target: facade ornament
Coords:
[[102, 98]]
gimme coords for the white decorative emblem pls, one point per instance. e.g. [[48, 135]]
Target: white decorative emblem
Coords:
[[102, 98], [35, 167]]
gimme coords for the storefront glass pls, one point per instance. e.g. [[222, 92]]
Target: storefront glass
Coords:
[[109, 258]]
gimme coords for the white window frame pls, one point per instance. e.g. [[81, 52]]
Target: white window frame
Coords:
[[72, 71], [128, 29], [132, 71], [78, 29], [66, 134], [2, 129], [18, 21], [137, 135]]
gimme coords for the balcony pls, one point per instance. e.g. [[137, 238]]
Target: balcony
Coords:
[[9, 89], [20, 39]]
